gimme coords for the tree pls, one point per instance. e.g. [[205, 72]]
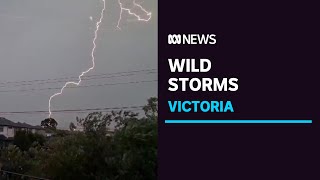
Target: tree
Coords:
[[98, 123], [49, 123], [13, 159], [72, 127], [130, 153], [24, 140], [151, 109], [137, 145]]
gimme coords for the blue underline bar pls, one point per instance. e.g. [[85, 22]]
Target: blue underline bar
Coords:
[[238, 121]]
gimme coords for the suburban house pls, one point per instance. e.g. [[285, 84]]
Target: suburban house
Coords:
[[9, 128]]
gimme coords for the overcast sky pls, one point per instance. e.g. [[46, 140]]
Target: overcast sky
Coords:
[[48, 39]]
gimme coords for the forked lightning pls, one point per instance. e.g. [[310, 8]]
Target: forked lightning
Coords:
[[122, 9]]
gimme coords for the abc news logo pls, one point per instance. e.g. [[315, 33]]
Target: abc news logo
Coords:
[[192, 39]]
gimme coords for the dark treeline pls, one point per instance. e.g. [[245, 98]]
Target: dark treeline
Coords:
[[127, 153]]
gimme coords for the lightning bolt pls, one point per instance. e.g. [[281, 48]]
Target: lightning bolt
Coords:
[[139, 18], [92, 59], [122, 9]]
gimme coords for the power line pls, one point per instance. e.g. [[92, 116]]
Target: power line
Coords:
[[135, 110], [72, 77], [105, 111], [86, 86], [85, 79], [77, 110]]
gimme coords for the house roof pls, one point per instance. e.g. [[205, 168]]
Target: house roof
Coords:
[[6, 122]]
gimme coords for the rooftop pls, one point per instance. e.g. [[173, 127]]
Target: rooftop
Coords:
[[6, 122]]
